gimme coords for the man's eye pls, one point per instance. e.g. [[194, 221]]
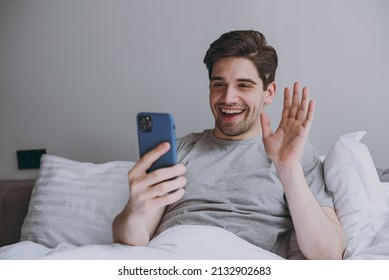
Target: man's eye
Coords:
[[244, 85], [218, 85]]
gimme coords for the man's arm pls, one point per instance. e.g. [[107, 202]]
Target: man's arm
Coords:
[[318, 231], [149, 195]]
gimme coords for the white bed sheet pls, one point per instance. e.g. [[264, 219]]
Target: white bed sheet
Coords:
[[181, 242]]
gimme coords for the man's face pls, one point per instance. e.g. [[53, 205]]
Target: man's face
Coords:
[[237, 98]]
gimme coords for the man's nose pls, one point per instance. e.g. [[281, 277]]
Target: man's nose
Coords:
[[230, 95]]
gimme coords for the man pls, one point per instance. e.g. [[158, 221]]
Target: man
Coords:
[[263, 186]]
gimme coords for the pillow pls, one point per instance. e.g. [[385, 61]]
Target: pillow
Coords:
[[75, 202], [385, 189], [359, 200]]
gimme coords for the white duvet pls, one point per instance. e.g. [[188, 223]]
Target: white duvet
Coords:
[[181, 242]]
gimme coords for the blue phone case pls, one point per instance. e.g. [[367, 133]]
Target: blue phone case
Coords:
[[153, 129]]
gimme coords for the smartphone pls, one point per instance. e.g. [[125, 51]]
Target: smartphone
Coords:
[[153, 129]]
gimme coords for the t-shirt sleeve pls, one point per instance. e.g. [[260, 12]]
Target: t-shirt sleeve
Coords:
[[313, 171], [185, 144]]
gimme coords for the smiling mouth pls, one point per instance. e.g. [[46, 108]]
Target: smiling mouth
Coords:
[[231, 111], [231, 114]]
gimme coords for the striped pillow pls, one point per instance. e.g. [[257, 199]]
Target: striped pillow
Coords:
[[75, 202]]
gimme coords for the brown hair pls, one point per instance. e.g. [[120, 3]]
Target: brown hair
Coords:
[[248, 44]]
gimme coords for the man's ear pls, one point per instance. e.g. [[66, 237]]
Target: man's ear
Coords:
[[270, 93]]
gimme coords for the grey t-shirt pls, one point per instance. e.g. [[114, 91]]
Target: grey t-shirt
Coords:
[[234, 185]]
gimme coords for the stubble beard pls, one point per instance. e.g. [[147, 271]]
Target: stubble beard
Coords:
[[237, 129]]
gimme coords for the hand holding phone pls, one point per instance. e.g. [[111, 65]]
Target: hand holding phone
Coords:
[[150, 194]]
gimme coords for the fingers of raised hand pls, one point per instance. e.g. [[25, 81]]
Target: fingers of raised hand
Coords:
[[265, 124], [286, 108], [299, 109], [309, 119], [303, 106], [295, 100]]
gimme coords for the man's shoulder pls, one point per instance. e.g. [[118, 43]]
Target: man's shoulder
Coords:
[[309, 152], [309, 159], [189, 141], [192, 137]]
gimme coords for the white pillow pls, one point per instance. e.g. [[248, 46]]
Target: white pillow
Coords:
[[359, 200], [385, 189], [75, 202]]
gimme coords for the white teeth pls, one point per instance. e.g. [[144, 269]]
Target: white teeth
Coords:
[[231, 111]]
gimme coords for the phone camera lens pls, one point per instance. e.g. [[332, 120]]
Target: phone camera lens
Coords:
[[145, 123]]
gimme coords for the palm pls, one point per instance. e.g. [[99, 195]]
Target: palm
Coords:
[[285, 145]]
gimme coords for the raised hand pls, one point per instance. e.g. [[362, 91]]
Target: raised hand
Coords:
[[285, 146]]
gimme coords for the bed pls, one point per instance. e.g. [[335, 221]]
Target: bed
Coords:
[[72, 205]]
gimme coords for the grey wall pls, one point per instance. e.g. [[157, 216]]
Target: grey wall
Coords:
[[73, 74]]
